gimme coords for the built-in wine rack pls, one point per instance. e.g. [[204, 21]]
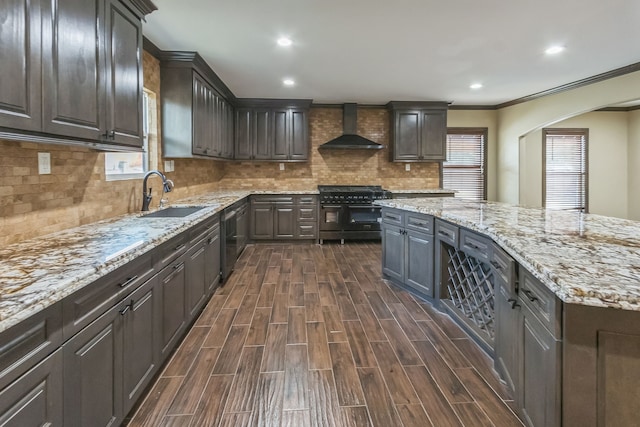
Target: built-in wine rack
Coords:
[[470, 290]]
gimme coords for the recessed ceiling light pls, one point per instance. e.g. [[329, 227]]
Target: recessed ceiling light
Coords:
[[554, 50], [284, 41], [476, 86], [288, 82]]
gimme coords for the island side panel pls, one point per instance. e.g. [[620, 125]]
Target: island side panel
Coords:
[[601, 366]]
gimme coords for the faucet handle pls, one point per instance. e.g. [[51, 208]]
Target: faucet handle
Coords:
[[168, 186]]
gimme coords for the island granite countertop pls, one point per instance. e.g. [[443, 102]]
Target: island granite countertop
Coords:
[[583, 258]]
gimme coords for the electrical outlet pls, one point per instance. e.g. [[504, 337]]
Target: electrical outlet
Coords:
[[407, 167], [44, 163], [281, 166], [167, 165]]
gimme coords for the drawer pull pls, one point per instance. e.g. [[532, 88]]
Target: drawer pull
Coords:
[[444, 233], [127, 282], [125, 309], [530, 295], [179, 247], [514, 303], [475, 247], [419, 224], [496, 265]]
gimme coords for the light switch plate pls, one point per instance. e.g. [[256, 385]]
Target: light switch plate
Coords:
[[407, 167], [44, 163], [281, 166], [167, 165]]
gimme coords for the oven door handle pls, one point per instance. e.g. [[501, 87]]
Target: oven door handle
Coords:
[[331, 206]]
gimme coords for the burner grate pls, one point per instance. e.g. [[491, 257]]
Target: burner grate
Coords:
[[471, 290]]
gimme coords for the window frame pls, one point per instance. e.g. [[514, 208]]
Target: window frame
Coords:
[[470, 131], [584, 132]]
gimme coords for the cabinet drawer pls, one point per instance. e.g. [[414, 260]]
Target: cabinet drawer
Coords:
[[541, 301], [307, 214], [28, 342], [392, 217], [308, 230], [85, 305], [170, 250], [475, 245], [201, 230], [419, 222], [271, 199], [307, 200], [503, 266], [446, 232]]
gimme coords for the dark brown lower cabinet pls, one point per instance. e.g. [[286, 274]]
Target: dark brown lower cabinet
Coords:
[[110, 362], [196, 286], [35, 399], [141, 335], [540, 366], [284, 222], [407, 250], [507, 348], [172, 294], [92, 361]]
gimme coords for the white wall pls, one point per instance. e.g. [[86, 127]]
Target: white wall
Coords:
[[481, 119], [608, 162], [520, 119], [634, 165]]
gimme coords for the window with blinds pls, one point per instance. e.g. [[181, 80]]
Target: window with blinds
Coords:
[[465, 167], [565, 169]]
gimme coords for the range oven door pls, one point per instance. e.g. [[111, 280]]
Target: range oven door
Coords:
[[331, 218], [362, 218]]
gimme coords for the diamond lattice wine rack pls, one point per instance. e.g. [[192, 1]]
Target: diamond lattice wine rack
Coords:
[[470, 289]]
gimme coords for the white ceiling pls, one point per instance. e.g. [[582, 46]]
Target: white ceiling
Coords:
[[374, 51]]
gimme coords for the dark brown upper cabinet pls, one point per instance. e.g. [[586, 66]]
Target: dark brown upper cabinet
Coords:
[[197, 119], [276, 130], [78, 72], [418, 131]]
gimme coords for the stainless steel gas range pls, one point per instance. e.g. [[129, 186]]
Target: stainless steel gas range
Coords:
[[347, 212]]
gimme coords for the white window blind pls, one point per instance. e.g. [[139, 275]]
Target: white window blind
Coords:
[[565, 162], [465, 167]]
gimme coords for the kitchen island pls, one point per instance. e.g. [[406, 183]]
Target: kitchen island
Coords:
[[573, 320]]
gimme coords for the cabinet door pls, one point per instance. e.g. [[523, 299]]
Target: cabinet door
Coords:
[[434, 135], [263, 134], [35, 399], [141, 335], [393, 252], [229, 123], [73, 66], [124, 75], [195, 276], [506, 335], [214, 121], [93, 373], [284, 222], [201, 108], [299, 140], [539, 375], [407, 135], [243, 134], [419, 262], [212, 260], [172, 285], [20, 106], [262, 221], [281, 134]]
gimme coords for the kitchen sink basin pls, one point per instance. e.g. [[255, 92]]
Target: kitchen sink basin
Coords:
[[173, 212]]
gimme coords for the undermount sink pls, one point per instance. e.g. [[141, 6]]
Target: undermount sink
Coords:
[[174, 212]]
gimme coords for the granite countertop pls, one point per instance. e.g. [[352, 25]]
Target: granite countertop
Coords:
[[37, 273], [583, 258]]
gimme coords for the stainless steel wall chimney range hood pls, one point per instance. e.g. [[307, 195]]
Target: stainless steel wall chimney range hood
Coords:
[[350, 139]]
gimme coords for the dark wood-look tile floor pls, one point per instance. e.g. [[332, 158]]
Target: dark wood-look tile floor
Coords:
[[310, 335]]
